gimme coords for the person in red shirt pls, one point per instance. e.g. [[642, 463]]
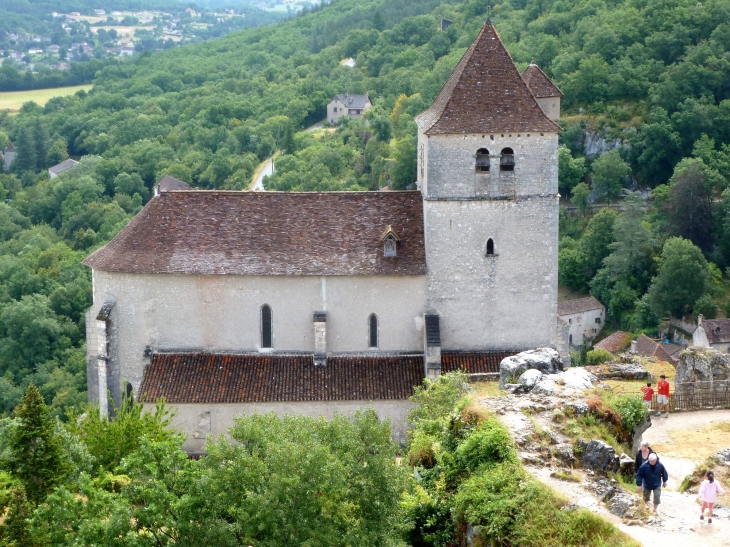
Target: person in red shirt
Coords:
[[648, 394], [663, 396]]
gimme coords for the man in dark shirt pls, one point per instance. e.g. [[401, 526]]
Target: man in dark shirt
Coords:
[[650, 478]]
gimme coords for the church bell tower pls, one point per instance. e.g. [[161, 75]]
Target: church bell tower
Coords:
[[488, 173]]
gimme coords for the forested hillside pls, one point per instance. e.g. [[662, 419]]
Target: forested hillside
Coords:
[[652, 74]]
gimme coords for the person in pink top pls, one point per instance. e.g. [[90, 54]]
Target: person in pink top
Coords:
[[709, 491]]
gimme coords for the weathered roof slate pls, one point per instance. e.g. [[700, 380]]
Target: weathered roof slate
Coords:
[[63, 166], [473, 362], [171, 184], [269, 233], [352, 101], [234, 378], [614, 343], [717, 330], [485, 94], [650, 348], [541, 86], [579, 305]]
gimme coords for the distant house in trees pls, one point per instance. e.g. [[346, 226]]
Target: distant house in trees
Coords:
[[61, 167], [544, 90], [712, 333], [9, 155], [585, 317], [618, 341], [345, 104]]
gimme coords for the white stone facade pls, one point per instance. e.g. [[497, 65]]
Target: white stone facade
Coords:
[[587, 323], [222, 313]]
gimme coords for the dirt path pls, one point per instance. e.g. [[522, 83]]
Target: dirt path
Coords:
[[683, 440]]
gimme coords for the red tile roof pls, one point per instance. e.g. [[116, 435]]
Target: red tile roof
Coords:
[[579, 305], [473, 362], [269, 233], [616, 342], [650, 348], [541, 86], [485, 94], [236, 378]]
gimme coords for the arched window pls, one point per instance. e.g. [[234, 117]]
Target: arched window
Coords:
[[266, 327], [482, 163], [373, 331], [507, 161], [389, 247], [570, 339], [490, 247]]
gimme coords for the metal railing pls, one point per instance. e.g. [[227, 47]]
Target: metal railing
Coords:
[[693, 395]]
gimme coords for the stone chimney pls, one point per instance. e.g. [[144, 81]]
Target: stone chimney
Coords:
[[320, 338], [432, 347]]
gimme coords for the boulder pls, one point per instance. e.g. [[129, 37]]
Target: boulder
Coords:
[[600, 457], [529, 378], [546, 360], [579, 407], [619, 371], [577, 378], [723, 455], [627, 465], [546, 385], [514, 388], [702, 364]]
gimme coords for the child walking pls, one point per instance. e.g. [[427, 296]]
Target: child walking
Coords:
[[648, 394], [709, 490]]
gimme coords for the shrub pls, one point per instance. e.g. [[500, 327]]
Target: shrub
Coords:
[[631, 409], [420, 453], [436, 399], [599, 356], [490, 444]]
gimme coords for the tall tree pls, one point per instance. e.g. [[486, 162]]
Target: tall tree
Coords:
[[41, 138], [25, 145], [35, 453], [682, 278], [689, 207], [570, 170], [609, 172]]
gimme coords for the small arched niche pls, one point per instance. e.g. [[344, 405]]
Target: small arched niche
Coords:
[[490, 247], [267, 330], [507, 160], [482, 161], [373, 331]]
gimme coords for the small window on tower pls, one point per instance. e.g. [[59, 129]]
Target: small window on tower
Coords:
[[266, 327], [490, 247], [507, 161], [373, 331], [482, 162]]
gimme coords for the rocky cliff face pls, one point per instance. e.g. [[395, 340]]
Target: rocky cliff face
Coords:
[[702, 365]]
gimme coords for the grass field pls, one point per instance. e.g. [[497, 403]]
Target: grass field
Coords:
[[13, 100]]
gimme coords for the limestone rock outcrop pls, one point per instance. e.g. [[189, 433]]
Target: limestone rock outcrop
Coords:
[[599, 457], [546, 360], [702, 365]]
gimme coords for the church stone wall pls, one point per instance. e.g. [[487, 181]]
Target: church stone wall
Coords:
[[222, 313], [197, 421], [503, 302]]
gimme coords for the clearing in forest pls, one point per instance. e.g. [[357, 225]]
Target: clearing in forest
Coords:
[[13, 100]]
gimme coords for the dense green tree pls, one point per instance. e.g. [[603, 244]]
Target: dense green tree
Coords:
[[706, 307], [26, 158], [570, 170], [56, 153], [581, 192], [609, 173], [35, 455], [689, 207], [682, 278]]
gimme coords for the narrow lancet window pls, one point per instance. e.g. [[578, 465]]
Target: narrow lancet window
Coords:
[[490, 247], [482, 162], [373, 331], [507, 161], [266, 327], [390, 240]]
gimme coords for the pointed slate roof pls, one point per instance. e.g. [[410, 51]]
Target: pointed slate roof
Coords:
[[541, 86], [485, 94], [171, 184]]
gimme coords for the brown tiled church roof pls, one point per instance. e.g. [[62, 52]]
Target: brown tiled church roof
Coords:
[[541, 86], [269, 233], [579, 305], [485, 94], [234, 378], [473, 362]]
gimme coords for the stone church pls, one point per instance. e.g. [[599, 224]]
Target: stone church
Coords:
[[229, 303]]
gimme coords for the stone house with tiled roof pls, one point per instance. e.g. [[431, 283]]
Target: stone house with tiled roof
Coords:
[[585, 318], [712, 333], [615, 342], [647, 347], [230, 303], [347, 105]]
